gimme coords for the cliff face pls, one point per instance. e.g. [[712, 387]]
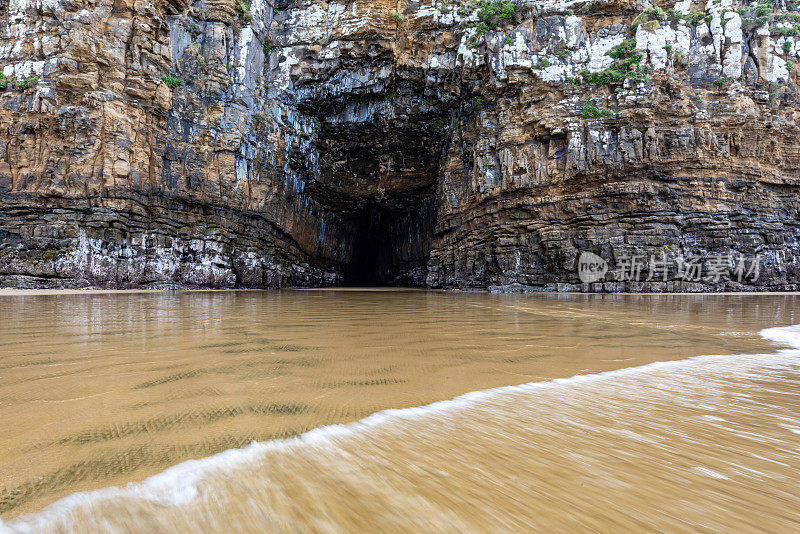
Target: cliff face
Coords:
[[235, 144]]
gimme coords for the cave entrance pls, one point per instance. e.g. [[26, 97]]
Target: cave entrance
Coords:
[[379, 178], [368, 266], [391, 245]]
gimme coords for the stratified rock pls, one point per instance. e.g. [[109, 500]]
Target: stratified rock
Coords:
[[233, 144]]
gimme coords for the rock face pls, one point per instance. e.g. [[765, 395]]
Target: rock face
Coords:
[[455, 145]]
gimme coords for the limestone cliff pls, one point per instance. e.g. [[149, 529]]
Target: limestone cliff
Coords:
[[226, 143]]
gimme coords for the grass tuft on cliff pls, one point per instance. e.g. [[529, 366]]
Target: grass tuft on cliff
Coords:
[[491, 10], [171, 80], [26, 83], [650, 19], [490, 14], [243, 10], [626, 66], [590, 111]]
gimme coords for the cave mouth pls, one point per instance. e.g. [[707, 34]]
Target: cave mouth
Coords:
[[390, 246], [379, 178], [368, 263]]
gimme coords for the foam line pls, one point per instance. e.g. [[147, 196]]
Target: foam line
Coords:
[[178, 485]]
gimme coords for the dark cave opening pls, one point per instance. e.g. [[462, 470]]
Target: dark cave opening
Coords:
[[379, 178], [366, 267], [390, 245]]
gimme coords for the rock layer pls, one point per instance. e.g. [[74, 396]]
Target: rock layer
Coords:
[[224, 144]]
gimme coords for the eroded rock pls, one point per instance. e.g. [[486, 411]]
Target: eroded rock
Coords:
[[235, 144]]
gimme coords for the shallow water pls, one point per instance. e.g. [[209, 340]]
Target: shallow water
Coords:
[[102, 389]]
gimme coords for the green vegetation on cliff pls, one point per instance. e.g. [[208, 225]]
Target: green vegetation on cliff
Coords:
[[626, 66]]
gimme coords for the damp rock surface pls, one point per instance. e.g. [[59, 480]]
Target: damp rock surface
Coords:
[[224, 143]]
